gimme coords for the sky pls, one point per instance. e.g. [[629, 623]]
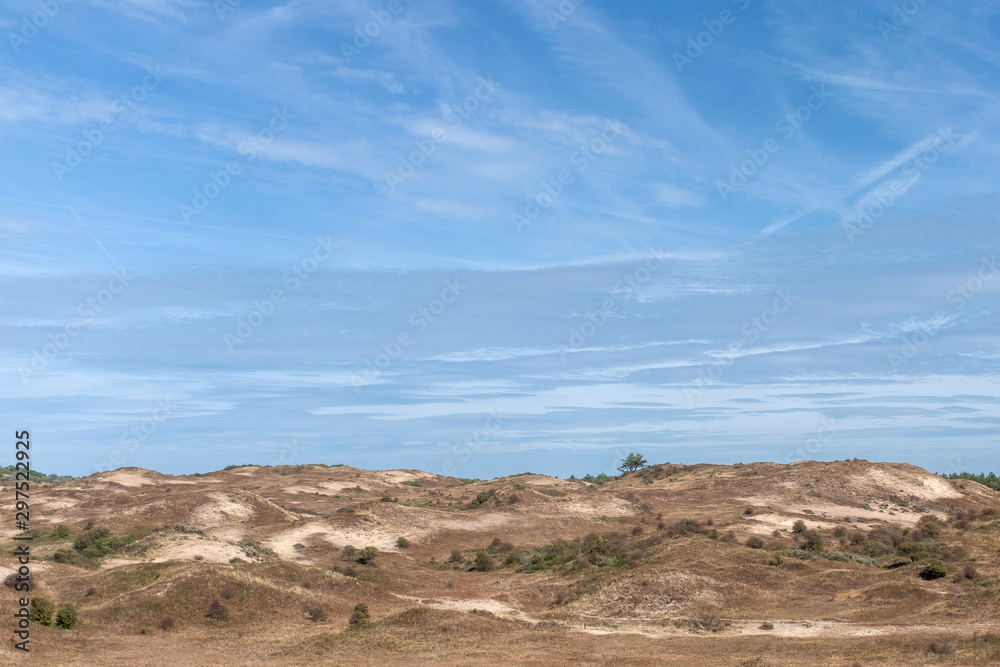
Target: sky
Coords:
[[483, 238]]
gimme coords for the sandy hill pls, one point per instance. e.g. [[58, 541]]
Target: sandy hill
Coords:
[[801, 564]]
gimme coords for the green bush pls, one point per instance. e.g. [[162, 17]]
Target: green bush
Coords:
[[934, 570], [367, 556], [755, 542], [402, 543], [61, 532], [41, 611], [799, 526], [67, 617], [217, 611], [360, 617]]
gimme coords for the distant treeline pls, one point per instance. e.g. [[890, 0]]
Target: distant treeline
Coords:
[[990, 480], [593, 479], [8, 472]]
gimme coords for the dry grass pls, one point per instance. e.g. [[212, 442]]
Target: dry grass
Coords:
[[669, 586]]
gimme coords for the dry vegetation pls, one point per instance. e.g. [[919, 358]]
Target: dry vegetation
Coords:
[[846, 563]]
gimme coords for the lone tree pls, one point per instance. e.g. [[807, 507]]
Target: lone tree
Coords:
[[632, 462]]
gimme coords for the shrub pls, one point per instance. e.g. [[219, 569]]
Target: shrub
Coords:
[[941, 648], [799, 526], [61, 532], [41, 611], [456, 556], [217, 611], [350, 553], [360, 617], [812, 541], [367, 556], [934, 570], [483, 562], [709, 623], [482, 497], [67, 617], [315, 614], [847, 556], [755, 542], [499, 546], [236, 560], [402, 543], [767, 625], [748, 511], [167, 624]]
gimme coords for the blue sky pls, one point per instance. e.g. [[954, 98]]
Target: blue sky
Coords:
[[481, 238]]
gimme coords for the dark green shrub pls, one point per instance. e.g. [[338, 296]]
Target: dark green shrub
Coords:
[[402, 543], [61, 532], [799, 526], [360, 617], [67, 617], [755, 542], [217, 611], [41, 611], [367, 556], [934, 570]]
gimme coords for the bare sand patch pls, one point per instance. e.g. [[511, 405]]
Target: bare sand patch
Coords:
[[223, 509], [484, 604], [284, 543], [926, 487], [130, 478]]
